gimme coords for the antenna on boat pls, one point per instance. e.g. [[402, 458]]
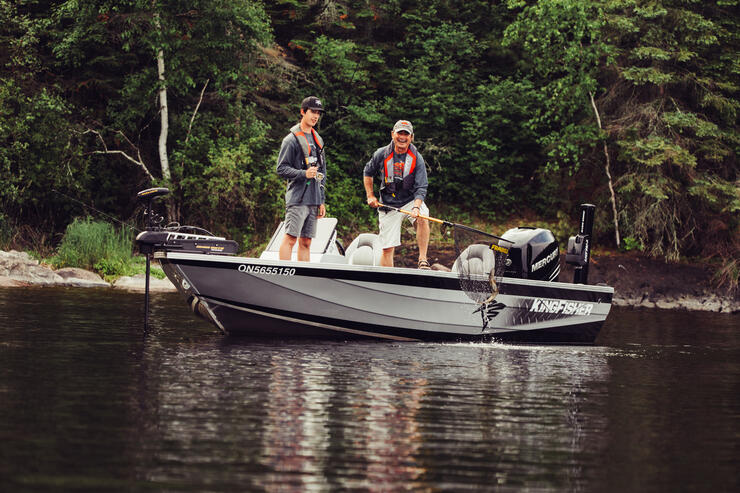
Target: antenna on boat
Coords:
[[152, 224], [579, 246]]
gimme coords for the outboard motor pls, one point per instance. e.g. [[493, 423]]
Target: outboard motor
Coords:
[[534, 254]]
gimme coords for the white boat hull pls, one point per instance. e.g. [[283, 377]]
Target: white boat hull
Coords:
[[262, 297]]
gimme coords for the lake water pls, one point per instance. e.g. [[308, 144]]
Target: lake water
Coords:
[[90, 403]]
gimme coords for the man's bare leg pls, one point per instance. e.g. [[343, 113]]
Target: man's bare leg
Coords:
[[422, 237], [386, 260], [286, 247], [304, 249]]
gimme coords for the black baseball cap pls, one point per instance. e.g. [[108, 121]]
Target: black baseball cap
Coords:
[[312, 103]]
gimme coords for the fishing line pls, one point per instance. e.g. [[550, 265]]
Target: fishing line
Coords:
[[97, 210]]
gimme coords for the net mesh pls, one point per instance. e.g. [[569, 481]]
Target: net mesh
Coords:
[[480, 264]]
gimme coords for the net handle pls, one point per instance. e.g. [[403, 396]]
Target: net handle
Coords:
[[447, 223]]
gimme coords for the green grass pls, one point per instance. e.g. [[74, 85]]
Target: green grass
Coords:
[[101, 247]]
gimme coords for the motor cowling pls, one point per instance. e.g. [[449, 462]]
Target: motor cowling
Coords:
[[534, 254]]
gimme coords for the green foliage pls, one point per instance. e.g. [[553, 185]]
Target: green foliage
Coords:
[[677, 148], [225, 177], [506, 156], [663, 79], [629, 243], [560, 42], [36, 154], [500, 94], [97, 245]]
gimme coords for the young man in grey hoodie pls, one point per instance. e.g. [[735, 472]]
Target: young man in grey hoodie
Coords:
[[301, 162]]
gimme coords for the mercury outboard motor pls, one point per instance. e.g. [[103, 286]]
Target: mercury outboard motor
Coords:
[[533, 255]]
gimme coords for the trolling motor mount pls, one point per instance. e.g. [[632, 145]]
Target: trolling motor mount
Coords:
[[149, 194]]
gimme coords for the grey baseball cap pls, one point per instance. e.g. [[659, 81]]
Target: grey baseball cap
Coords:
[[404, 125]]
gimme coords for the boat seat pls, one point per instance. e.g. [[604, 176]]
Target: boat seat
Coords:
[[364, 250], [475, 260]]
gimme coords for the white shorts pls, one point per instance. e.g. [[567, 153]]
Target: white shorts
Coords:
[[390, 224]]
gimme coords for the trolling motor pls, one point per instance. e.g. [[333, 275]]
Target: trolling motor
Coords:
[[579, 246], [152, 224]]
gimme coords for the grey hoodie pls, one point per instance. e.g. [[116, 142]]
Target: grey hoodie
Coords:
[[291, 166]]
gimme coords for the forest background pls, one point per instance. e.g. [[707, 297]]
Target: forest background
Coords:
[[521, 109]]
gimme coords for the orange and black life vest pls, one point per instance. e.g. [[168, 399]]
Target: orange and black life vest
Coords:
[[392, 181], [302, 139]]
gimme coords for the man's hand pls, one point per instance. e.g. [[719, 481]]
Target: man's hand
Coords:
[[322, 211], [311, 172], [372, 201]]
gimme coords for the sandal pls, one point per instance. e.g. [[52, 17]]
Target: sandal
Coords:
[[424, 265]]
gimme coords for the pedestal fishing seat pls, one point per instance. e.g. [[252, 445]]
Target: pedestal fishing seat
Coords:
[[364, 250]]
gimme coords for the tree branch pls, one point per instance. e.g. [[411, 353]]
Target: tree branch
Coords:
[[195, 111], [105, 150]]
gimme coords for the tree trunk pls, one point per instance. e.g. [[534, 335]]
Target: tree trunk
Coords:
[[164, 122], [164, 116], [608, 174]]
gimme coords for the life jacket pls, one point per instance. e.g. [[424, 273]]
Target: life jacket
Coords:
[[407, 177], [300, 136]]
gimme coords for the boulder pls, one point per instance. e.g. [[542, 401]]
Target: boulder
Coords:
[[20, 266], [138, 283], [7, 282], [76, 277]]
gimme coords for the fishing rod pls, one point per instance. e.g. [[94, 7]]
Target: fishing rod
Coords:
[[454, 225]]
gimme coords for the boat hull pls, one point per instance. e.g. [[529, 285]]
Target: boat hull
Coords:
[[256, 297]]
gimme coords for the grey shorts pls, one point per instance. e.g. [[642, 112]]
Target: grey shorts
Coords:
[[300, 220]]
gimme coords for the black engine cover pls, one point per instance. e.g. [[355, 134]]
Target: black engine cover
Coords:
[[533, 255]]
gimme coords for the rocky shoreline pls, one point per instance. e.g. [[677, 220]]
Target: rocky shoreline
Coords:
[[18, 269], [640, 281], [637, 281]]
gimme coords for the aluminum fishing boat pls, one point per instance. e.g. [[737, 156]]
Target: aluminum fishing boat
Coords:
[[344, 293]]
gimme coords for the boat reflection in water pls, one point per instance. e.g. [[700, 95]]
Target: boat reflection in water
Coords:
[[306, 416]]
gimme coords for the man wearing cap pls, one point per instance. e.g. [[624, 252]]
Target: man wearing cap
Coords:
[[301, 162], [403, 184]]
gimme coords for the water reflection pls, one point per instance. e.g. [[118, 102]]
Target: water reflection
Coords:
[[295, 434], [312, 416]]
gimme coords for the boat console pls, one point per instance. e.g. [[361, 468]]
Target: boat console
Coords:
[[325, 247]]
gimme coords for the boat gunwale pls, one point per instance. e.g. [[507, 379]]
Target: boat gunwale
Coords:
[[229, 259]]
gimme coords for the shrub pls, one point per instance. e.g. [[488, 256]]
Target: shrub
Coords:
[[95, 245]]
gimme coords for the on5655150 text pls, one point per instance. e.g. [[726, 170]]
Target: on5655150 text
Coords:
[[266, 270]]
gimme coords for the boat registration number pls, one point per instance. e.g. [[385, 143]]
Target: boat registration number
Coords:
[[270, 271]]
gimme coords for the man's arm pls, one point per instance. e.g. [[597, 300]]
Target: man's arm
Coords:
[[289, 164], [367, 180], [372, 200]]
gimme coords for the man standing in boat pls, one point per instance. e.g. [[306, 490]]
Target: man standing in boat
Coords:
[[403, 185], [301, 162]]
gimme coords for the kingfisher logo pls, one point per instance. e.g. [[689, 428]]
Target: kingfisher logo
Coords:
[[541, 263], [563, 307]]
